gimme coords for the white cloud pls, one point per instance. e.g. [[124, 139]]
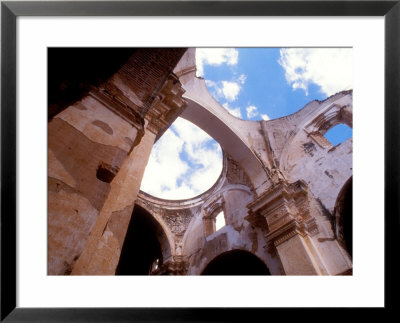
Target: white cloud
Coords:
[[233, 111], [330, 68], [230, 90], [224, 89], [163, 160], [242, 78], [265, 117], [184, 163], [251, 111], [215, 57]]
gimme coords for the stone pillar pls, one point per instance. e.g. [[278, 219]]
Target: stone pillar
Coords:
[[284, 211], [87, 145], [103, 248], [94, 156], [102, 251]]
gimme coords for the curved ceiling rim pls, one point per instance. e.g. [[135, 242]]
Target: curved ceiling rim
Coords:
[[192, 201]]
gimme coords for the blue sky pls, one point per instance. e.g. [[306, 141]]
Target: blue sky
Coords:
[[264, 86], [252, 84]]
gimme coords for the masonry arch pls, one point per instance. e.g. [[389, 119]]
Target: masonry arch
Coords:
[[236, 262], [344, 216], [146, 246], [230, 132], [230, 141]]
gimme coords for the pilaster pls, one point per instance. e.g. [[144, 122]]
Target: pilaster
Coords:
[[104, 245], [283, 212], [103, 248]]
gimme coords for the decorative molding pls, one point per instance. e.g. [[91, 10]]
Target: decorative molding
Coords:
[[166, 107], [210, 209], [325, 120], [116, 104], [283, 212], [176, 220]]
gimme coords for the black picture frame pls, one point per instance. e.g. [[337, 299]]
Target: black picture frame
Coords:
[[10, 10]]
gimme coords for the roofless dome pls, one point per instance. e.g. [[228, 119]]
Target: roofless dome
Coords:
[[184, 163]]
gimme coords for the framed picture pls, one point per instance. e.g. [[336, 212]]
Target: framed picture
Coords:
[[188, 22]]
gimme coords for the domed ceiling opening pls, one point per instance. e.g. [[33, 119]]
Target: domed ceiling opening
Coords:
[[251, 84], [184, 163]]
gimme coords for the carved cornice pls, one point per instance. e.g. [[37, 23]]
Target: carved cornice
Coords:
[[167, 106], [281, 190], [283, 211], [119, 106], [290, 229]]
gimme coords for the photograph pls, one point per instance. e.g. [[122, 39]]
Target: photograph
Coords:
[[200, 161], [211, 141]]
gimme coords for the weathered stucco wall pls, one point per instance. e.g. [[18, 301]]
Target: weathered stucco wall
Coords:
[[87, 145], [97, 151], [307, 156]]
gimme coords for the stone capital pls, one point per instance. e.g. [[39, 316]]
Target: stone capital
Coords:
[[290, 229], [283, 212], [166, 106]]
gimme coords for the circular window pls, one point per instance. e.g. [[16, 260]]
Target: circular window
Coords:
[[183, 163]]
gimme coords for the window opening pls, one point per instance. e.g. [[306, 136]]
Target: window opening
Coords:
[[185, 162], [338, 134], [220, 221]]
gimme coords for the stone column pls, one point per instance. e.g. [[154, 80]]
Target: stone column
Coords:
[[102, 251], [103, 248], [284, 211], [87, 145]]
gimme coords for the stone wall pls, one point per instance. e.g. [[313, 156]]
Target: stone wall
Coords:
[[97, 151]]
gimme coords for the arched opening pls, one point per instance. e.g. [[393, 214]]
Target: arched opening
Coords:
[[214, 217], [344, 216], [220, 221], [145, 247], [236, 262], [184, 163], [338, 134]]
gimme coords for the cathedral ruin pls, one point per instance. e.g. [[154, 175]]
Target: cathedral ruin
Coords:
[[285, 191]]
